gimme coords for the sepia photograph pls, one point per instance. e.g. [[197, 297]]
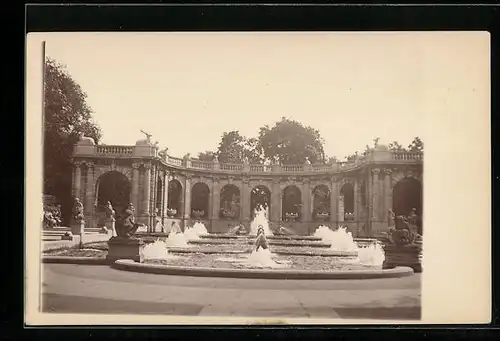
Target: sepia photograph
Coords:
[[254, 175]]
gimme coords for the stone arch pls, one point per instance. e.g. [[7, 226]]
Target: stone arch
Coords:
[[205, 181], [175, 198], [230, 202], [113, 186], [396, 177], [200, 200], [291, 203], [406, 196], [321, 202], [260, 196], [347, 191]]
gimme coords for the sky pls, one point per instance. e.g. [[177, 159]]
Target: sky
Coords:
[[186, 89]]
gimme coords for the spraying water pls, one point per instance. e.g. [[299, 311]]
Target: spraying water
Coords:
[[260, 219], [372, 255], [263, 259], [194, 232], [342, 240], [176, 239], [156, 251]]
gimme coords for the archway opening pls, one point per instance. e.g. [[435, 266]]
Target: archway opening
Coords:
[[229, 202], [347, 191], [406, 197], [200, 197], [260, 197], [174, 198], [321, 202], [292, 203], [113, 186], [159, 196]]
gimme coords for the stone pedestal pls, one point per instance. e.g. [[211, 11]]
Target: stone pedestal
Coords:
[[77, 227], [125, 248], [410, 255]]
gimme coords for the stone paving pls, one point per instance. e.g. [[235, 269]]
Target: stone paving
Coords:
[[101, 289]]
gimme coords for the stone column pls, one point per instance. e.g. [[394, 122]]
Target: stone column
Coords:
[[306, 201], [375, 198], [334, 195], [147, 190], [187, 198], [153, 197], [166, 179], [135, 185], [215, 199], [355, 199], [276, 199], [245, 201], [89, 195], [78, 179], [387, 195]]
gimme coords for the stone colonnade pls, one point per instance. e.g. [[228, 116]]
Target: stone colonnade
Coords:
[[149, 183]]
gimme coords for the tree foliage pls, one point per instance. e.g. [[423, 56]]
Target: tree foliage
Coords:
[[206, 156], [234, 148], [416, 145], [290, 142], [66, 115]]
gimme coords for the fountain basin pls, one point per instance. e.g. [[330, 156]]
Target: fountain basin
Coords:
[[278, 237], [270, 242], [283, 251], [129, 265]]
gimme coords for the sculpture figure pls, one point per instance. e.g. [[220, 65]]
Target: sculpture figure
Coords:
[[78, 210], [127, 227], [401, 234], [261, 241], [148, 136], [110, 212]]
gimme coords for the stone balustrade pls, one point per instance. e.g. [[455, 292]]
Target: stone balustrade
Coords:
[[407, 156], [113, 151]]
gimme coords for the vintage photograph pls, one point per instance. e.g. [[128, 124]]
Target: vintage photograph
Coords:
[[267, 175]]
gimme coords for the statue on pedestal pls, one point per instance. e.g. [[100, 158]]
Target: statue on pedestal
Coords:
[[261, 241], [110, 219], [127, 227], [148, 135], [78, 210], [110, 212]]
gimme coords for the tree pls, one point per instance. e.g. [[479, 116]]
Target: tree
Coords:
[[234, 148], [206, 156], [291, 142], [416, 145], [396, 147], [253, 150], [66, 115], [231, 147]]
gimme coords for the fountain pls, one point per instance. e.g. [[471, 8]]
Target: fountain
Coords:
[[177, 239], [260, 219], [327, 254], [194, 232], [156, 251], [340, 239]]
